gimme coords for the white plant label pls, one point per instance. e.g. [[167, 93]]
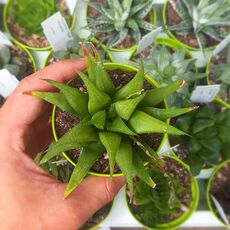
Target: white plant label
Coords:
[[57, 31], [204, 94], [8, 83], [71, 5], [148, 40], [4, 40]]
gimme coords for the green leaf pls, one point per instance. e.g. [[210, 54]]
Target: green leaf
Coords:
[[77, 99], [86, 160], [98, 119], [142, 123], [4, 55], [125, 108], [13, 69], [201, 124], [98, 100], [119, 126], [124, 160], [57, 99], [140, 171], [74, 138], [132, 87], [155, 96], [91, 66], [111, 142], [103, 81], [164, 114]]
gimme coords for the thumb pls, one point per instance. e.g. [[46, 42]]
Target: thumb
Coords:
[[91, 195]]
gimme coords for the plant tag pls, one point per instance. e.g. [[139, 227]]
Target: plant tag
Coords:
[[4, 40], [220, 210], [204, 94], [148, 39], [71, 5], [8, 82], [57, 31]]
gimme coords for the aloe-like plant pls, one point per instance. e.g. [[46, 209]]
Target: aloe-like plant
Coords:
[[112, 120], [221, 73], [203, 18], [120, 19], [14, 65], [209, 139], [30, 14]]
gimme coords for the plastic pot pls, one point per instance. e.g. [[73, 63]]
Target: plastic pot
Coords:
[[208, 194], [180, 220], [7, 28], [111, 66]]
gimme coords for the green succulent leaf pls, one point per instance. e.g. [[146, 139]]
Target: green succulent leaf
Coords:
[[98, 119], [86, 160], [5, 55], [142, 123], [111, 142]]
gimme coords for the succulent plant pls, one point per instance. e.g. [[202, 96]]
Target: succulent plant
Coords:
[[120, 19], [203, 18], [30, 14], [209, 139], [112, 120], [14, 65], [221, 73], [166, 67]]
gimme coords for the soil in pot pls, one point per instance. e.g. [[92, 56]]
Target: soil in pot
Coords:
[[216, 60], [127, 42], [64, 121], [34, 40], [98, 217], [151, 214], [220, 188], [173, 18]]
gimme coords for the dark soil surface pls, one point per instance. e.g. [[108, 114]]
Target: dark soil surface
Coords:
[[35, 40], [220, 188], [176, 170], [218, 59], [127, 42], [173, 18], [98, 217], [65, 121]]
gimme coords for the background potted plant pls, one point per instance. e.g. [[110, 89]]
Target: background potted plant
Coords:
[[218, 193], [171, 202], [108, 122], [197, 24], [218, 69], [119, 25], [22, 20]]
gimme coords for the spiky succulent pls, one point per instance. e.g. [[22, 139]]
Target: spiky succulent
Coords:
[[14, 64], [167, 66], [209, 139], [112, 120], [121, 19], [30, 14], [221, 73], [203, 18]]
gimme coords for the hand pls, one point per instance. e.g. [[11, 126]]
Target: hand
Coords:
[[30, 197]]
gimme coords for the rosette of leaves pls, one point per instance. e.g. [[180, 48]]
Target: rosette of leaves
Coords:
[[166, 67], [209, 139], [203, 18], [30, 14], [221, 73], [112, 120], [13, 64], [120, 19]]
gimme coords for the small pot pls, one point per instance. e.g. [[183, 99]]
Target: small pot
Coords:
[[131, 50], [208, 194], [171, 35], [179, 221], [217, 98], [111, 66], [7, 28]]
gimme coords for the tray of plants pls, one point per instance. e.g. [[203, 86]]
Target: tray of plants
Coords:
[[139, 111]]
